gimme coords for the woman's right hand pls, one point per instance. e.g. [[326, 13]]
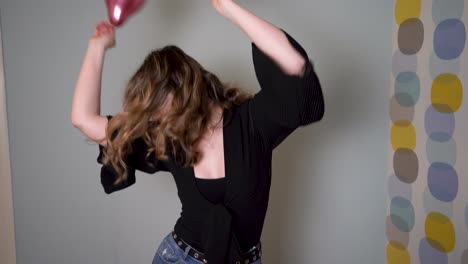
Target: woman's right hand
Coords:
[[104, 35]]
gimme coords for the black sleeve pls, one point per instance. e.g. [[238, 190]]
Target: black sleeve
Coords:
[[136, 160], [285, 101]]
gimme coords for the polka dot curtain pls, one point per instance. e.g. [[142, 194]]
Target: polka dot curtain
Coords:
[[427, 201]]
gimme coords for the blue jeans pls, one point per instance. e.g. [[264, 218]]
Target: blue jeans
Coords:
[[169, 252]]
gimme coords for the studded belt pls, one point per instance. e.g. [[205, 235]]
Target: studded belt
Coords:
[[251, 256]]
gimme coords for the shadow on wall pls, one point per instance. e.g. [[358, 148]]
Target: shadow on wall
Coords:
[[296, 160]]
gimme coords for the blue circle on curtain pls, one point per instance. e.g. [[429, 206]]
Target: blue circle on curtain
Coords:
[[445, 151], [432, 204], [449, 39], [402, 214], [437, 66], [439, 126], [429, 255], [442, 181], [445, 9], [407, 88], [398, 188]]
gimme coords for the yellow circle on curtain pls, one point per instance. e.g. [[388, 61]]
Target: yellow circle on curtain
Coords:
[[397, 254], [440, 232], [403, 135], [406, 9], [446, 93]]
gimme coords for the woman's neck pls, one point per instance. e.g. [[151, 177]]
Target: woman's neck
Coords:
[[216, 117]]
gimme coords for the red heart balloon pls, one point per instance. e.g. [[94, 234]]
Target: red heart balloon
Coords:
[[120, 10]]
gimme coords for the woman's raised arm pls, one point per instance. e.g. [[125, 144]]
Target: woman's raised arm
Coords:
[[291, 93], [85, 111], [268, 38]]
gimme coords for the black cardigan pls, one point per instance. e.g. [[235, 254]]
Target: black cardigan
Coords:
[[251, 132]]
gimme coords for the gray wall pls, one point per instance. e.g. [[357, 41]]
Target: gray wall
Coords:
[[328, 194]]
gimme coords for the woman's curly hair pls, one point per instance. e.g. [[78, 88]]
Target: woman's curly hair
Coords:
[[165, 72]]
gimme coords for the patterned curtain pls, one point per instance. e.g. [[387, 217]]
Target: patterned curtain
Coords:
[[427, 196]]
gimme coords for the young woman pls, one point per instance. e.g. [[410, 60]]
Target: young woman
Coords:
[[215, 140]]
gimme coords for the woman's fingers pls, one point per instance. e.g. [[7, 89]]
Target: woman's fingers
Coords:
[[103, 28], [104, 34]]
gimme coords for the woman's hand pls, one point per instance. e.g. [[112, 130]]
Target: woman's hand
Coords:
[[220, 5], [104, 36]]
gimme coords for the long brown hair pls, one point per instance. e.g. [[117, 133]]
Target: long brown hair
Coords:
[[167, 71]]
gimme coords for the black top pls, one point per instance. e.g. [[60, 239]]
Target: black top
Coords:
[[213, 190], [251, 132]]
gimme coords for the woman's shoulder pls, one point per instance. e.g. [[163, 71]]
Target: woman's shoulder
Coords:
[[240, 115], [240, 110]]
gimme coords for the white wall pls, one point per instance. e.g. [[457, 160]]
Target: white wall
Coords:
[[327, 200]]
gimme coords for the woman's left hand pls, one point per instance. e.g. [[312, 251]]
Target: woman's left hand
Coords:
[[220, 5]]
